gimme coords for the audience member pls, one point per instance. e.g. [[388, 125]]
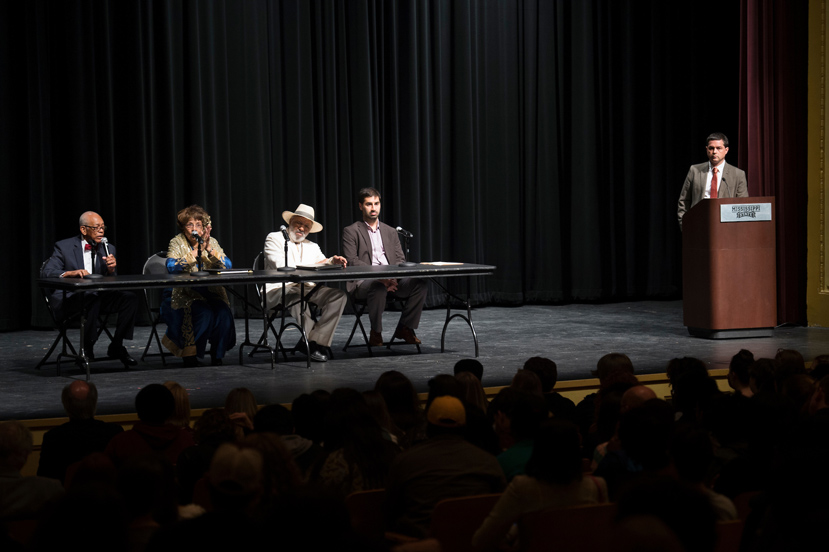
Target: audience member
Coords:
[[554, 479], [789, 362], [22, 497], [610, 369], [685, 510], [478, 429], [692, 388], [819, 367], [525, 380], [470, 365], [560, 406], [473, 391], [377, 406], [236, 484], [634, 397], [358, 456], [275, 418], [280, 475], [308, 413], [516, 416], [404, 406], [738, 378], [181, 415], [81, 435], [147, 483], [644, 434], [692, 455], [240, 405], [154, 405], [213, 428], [442, 466]]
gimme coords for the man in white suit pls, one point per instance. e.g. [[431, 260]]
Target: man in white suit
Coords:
[[302, 252], [730, 181]]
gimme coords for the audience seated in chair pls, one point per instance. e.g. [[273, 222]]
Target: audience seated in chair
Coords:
[[22, 497], [80, 436], [560, 406], [154, 405], [554, 479], [443, 466]]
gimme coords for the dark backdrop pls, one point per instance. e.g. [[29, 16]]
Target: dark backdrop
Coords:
[[549, 138]]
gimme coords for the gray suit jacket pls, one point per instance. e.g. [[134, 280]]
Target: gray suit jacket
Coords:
[[357, 247], [733, 185]]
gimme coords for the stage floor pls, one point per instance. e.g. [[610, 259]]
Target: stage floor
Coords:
[[575, 336]]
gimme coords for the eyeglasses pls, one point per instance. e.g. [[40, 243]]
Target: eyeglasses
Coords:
[[102, 227], [191, 226]]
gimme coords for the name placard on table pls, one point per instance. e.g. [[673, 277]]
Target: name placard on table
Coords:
[[745, 212]]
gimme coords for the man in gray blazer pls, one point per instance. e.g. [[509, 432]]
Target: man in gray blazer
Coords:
[[370, 242], [731, 181]]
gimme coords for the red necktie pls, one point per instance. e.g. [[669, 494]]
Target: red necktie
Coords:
[[87, 247], [713, 194]]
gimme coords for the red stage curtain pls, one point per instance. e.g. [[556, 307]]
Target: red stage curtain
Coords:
[[772, 132]]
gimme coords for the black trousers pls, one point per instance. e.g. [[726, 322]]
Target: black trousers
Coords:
[[122, 303]]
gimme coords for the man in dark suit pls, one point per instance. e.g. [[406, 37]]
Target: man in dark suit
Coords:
[[81, 256], [370, 242], [730, 181]]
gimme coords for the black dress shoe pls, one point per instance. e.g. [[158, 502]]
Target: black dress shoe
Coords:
[[120, 352], [215, 361]]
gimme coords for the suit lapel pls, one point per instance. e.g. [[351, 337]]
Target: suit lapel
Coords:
[[78, 249], [366, 239], [727, 177]]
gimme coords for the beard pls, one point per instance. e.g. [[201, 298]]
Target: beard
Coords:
[[296, 237]]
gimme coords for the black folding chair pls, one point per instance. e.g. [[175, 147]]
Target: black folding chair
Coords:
[[359, 308], [156, 264], [62, 325], [277, 310]]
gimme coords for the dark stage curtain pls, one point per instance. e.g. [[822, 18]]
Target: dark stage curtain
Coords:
[[549, 138], [773, 120]]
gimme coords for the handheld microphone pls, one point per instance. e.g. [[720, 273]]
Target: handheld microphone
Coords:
[[106, 248], [284, 230], [197, 237], [404, 233]]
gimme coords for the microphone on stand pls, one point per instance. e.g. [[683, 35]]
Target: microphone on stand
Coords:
[[406, 235], [200, 241], [285, 268]]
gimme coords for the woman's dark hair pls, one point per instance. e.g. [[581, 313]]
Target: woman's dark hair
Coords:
[[351, 427], [401, 399], [556, 456]]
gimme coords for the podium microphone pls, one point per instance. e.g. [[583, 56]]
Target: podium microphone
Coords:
[[197, 237], [406, 235]]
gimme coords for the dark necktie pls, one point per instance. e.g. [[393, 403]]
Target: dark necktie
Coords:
[[713, 193]]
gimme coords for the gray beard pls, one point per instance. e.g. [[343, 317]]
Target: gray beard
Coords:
[[292, 235]]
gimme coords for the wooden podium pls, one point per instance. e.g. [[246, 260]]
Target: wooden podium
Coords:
[[729, 278]]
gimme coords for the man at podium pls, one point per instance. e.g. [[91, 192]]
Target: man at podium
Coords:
[[713, 179]]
